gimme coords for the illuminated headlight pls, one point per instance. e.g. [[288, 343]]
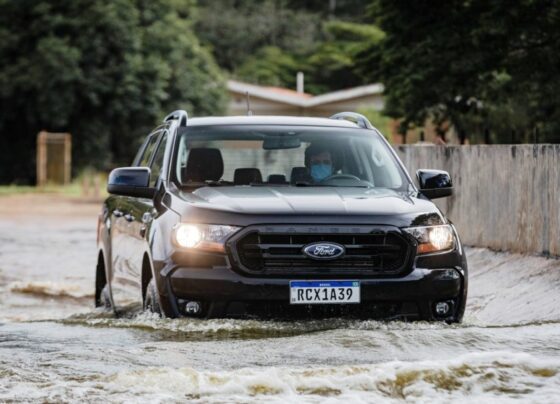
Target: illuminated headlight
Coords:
[[209, 237], [432, 239]]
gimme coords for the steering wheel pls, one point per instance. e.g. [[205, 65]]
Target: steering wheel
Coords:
[[341, 177]]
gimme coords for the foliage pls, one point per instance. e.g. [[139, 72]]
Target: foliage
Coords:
[[269, 41], [332, 65], [329, 66], [106, 71], [346, 10], [476, 63], [270, 66], [379, 120], [237, 29]]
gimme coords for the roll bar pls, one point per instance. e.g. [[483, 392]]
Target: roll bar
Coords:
[[358, 119], [180, 114]]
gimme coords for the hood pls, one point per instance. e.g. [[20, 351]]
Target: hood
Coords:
[[310, 202]]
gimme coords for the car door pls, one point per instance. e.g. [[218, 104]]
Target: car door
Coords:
[[140, 214], [124, 283]]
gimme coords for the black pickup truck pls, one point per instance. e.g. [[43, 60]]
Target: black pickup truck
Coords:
[[277, 216]]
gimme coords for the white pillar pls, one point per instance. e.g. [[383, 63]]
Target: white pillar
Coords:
[[299, 81]]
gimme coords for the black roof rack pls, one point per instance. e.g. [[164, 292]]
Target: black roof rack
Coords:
[[180, 114], [358, 119]]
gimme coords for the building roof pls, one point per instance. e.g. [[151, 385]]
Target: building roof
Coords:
[[288, 92], [287, 96]]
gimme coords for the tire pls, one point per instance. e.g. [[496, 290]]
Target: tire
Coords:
[[101, 291], [152, 301], [105, 299]]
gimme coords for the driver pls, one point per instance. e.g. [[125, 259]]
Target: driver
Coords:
[[319, 161]]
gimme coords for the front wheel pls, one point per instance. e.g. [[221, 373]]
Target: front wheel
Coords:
[[151, 300], [104, 299]]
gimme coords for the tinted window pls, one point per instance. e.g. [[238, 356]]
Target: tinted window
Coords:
[[149, 150], [157, 164], [140, 151], [285, 155]]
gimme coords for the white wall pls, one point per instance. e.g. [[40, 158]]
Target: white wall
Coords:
[[507, 197]]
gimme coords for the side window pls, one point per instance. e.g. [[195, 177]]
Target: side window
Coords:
[[157, 163], [140, 151], [181, 160], [144, 160]]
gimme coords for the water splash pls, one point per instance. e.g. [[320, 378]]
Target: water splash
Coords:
[[472, 377], [51, 289]]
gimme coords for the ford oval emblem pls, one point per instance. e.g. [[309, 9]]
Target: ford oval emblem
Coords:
[[323, 251]]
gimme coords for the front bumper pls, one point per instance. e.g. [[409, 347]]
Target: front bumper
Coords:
[[224, 292]]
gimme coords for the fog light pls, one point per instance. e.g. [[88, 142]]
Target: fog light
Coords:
[[442, 308], [192, 308]]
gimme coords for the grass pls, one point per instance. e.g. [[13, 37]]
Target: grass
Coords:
[[16, 189], [74, 189]]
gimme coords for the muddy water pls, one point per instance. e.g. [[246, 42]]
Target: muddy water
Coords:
[[55, 348]]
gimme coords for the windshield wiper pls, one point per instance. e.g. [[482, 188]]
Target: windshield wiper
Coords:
[[207, 183], [311, 184], [219, 183]]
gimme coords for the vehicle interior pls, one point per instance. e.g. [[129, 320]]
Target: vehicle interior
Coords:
[[286, 157]]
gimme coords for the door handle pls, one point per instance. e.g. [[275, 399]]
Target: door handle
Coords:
[[128, 217], [117, 213]]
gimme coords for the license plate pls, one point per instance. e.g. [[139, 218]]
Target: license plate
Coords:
[[324, 292]]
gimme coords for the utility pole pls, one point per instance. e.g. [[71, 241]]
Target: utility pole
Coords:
[[332, 8]]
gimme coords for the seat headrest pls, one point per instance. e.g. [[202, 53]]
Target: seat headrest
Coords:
[[246, 176], [276, 179], [300, 174], [203, 164]]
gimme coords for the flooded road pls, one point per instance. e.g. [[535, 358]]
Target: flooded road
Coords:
[[54, 347]]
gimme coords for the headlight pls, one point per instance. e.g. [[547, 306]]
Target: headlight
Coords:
[[432, 238], [209, 237]]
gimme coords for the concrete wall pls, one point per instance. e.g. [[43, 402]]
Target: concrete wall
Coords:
[[507, 197]]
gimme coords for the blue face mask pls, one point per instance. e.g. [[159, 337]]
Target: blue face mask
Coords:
[[320, 171]]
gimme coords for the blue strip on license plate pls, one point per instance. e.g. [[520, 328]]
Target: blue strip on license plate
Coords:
[[324, 292]]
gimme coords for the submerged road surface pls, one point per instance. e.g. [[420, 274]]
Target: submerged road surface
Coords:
[[54, 347]]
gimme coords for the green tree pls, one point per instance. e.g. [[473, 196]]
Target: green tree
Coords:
[[346, 10], [474, 63], [332, 65], [269, 41], [270, 66], [106, 71], [236, 29], [329, 65]]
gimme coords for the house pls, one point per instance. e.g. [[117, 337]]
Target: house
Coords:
[[283, 101], [265, 100]]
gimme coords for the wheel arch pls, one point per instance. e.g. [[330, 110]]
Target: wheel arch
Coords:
[[147, 273], [101, 278]]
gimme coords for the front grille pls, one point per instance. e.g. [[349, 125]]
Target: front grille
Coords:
[[272, 250]]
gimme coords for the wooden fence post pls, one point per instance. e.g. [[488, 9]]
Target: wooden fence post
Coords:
[[54, 158]]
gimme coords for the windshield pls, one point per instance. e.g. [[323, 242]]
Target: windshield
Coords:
[[284, 156]]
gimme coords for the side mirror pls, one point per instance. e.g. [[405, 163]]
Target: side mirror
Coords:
[[131, 181], [435, 183]]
